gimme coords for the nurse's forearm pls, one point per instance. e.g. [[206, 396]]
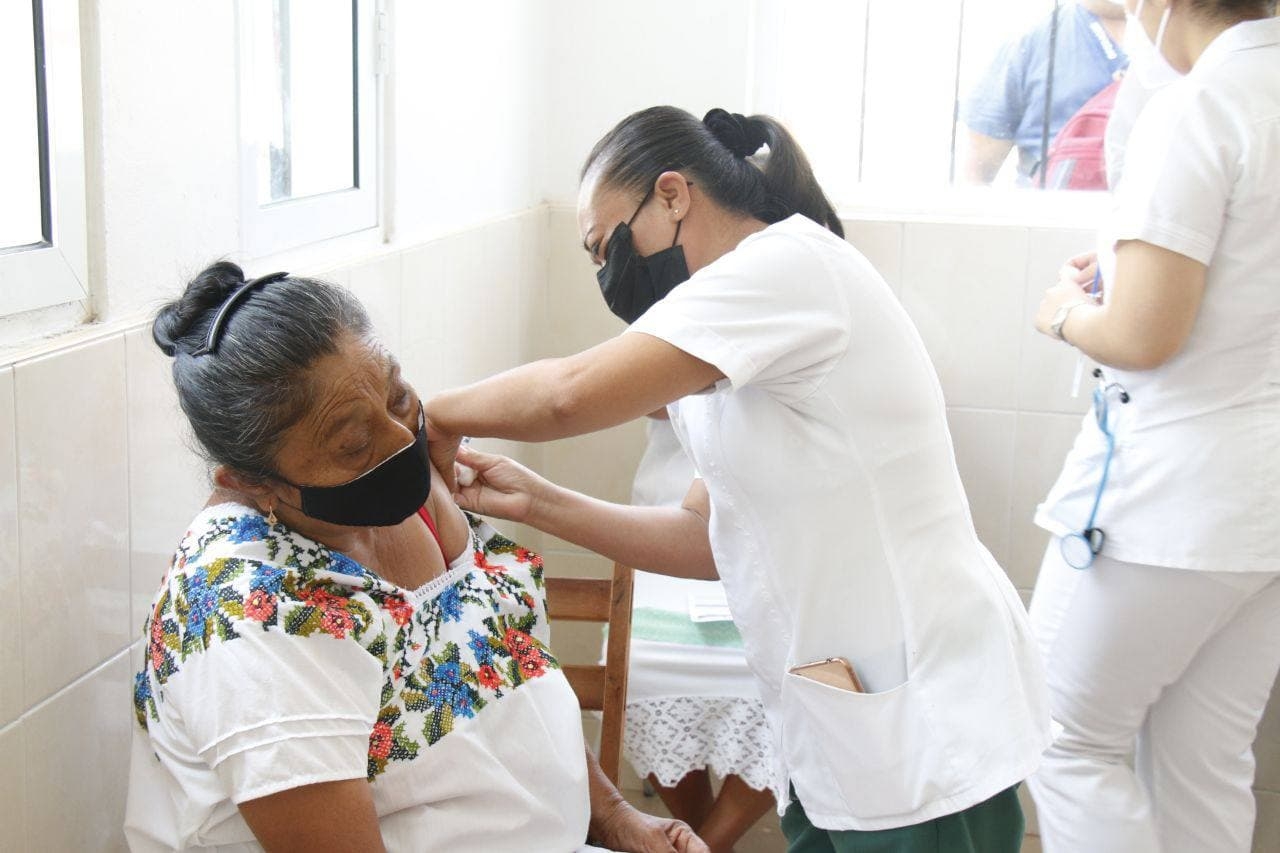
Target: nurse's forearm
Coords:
[[667, 540], [1104, 338], [617, 381], [1148, 313]]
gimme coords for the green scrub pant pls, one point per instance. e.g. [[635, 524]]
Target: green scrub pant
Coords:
[[994, 826]]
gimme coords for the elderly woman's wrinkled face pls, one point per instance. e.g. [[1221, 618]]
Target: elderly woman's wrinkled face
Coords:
[[361, 412]]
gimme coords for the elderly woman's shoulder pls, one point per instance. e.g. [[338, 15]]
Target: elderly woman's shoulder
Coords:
[[234, 572]]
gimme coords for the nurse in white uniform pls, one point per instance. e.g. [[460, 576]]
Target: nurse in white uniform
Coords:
[[829, 497], [1167, 639]]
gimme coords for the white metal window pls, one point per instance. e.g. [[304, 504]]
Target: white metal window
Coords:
[[308, 121], [42, 209], [877, 90]]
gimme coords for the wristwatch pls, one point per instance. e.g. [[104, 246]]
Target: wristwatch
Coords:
[[1060, 319]]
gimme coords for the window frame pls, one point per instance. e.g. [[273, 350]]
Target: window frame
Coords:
[[54, 271], [267, 229]]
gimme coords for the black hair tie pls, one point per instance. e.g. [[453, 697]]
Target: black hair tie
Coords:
[[215, 328], [742, 135]]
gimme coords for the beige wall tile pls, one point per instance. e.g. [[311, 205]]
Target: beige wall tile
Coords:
[[77, 755], [1266, 831], [428, 310], [881, 243], [1267, 746], [1028, 810], [74, 519], [168, 482], [577, 317], [1040, 447], [377, 285], [984, 454], [535, 264], [1046, 367], [10, 584], [601, 464], [963, 285], [13, 788]]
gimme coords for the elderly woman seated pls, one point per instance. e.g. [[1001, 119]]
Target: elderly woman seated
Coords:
[[338, 658]]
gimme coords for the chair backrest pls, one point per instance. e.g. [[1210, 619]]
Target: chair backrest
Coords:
[[600, 688]]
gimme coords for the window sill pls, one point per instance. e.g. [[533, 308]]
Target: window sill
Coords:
[[980, 206]]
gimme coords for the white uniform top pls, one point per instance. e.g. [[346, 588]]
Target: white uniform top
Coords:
[[1195, 482], [841, 529]]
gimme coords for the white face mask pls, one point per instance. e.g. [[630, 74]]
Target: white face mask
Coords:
[[1146, 60], [1148, 72]]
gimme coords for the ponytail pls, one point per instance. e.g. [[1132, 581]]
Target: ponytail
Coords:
[[722, 153]]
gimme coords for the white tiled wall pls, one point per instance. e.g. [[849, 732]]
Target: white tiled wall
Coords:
[[97, 480]]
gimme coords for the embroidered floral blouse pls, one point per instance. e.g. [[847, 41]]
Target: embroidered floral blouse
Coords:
[[273, 662]]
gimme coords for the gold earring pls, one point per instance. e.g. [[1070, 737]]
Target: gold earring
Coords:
[[675, 211], [271, 516]]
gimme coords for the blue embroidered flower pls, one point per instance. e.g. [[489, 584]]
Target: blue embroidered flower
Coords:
[[141, 688], [450, 673], [344, 565], [268, 579], [479, 644], [450, 603], [249, 528], [201, 601], [461, 705], [446, 683]]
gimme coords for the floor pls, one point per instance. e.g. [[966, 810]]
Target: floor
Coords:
[[765, 836]]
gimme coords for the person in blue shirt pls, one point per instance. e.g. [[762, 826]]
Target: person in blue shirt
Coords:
[[1007, 107]]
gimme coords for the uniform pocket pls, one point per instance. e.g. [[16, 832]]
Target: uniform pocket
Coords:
[[868, 755]]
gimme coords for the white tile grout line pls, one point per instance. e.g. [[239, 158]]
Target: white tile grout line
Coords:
[[74, 683]]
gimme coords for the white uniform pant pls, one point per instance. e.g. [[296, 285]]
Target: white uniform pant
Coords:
[[1175, 665]]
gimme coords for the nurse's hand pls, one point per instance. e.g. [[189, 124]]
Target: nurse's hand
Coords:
[[1062, 293], [1081, 270], [631, 830], [496, 486], [442, 448]]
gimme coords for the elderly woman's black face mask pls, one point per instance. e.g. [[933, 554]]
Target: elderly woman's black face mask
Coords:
[[384, 495]]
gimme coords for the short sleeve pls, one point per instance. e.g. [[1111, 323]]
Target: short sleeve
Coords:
[[269, 711], [770, 314], [1179, 172], [996, 105]]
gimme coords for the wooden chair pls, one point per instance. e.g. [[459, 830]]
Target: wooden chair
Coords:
[[600, 688]]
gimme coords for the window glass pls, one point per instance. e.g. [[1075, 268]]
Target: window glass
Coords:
[[307, 111], [21, 197]]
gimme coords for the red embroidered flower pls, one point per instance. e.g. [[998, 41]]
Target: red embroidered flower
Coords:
[[533, 666], [157, 643], [528, 601], [259, 606], [488, 677], [520, 644], [483, 563], [395, 673], [401, 611], [336, 622], [524, 555], [381, 740]]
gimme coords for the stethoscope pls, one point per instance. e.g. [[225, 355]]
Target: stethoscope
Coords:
[[1079, 548]]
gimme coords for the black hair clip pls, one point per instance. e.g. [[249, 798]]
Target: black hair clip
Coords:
[[220, 320]]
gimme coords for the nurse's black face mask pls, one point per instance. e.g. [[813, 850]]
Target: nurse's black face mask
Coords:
[[632, 283], [384, 495]]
